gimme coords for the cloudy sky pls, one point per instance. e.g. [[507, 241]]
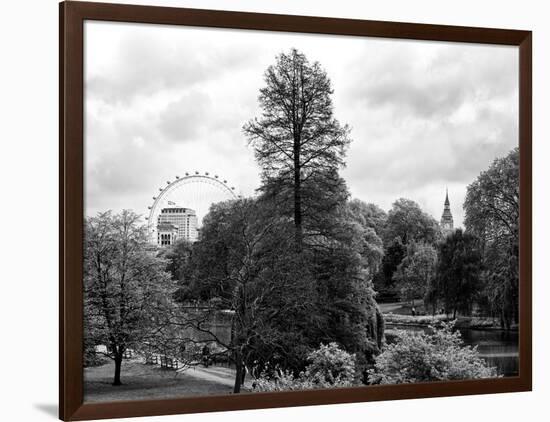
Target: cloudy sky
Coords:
[[164, 100]]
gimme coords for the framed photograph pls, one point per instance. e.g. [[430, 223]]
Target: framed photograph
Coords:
[[266, 210]]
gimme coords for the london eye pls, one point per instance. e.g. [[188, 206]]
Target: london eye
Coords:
[[196, 190]]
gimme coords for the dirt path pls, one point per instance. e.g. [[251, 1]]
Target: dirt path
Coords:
[[220, 375]]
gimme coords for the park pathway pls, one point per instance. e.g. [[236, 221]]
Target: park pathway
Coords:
[[218, 374]]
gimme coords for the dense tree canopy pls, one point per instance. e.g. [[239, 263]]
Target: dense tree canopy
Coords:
[[492, 214], [245, 262], [416, 271], [408, 223], [457, 283], [369, 215], [286, 303]]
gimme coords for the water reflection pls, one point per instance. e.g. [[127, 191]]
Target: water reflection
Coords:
[[498, 347]]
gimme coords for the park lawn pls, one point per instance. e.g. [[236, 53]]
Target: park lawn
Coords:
[[401, 308], [142, 382]]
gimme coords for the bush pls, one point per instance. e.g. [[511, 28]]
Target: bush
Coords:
[[436, 356], [329, 367]]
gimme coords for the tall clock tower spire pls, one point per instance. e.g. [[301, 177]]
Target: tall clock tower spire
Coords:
[[447, 225]]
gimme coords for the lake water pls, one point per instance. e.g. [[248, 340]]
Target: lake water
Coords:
[[498, 347]]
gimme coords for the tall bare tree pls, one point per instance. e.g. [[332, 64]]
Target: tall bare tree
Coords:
[[298, 142]]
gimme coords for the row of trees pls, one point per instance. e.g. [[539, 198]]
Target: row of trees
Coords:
[[295, 263], [295, 267], [472, 268]]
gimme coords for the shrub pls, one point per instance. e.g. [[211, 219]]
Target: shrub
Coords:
[[436, 356], [329, 367]]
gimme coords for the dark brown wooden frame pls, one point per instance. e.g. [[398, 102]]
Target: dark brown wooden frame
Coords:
[[71, 214]]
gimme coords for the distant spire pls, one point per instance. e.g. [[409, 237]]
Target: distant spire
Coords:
[[447, 217]]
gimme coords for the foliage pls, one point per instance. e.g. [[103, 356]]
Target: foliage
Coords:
[[245, 262], [300, 147], [407, 222], [394, 253], [178, 258], [286, 303], [342, 263], [458, 271], [416, 271], [329, 367], [369, 215], [492, 200], [298, 142], [126, 291], [369, 220], [492, 214], [435, 356], [330, 364]]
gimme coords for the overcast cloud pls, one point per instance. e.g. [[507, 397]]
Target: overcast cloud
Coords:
[[163, 100]]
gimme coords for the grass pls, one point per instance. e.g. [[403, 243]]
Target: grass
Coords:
[[142, 382], [400, 313], [419, 319]]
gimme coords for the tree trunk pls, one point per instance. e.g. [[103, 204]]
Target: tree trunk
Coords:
[[118, 366], [297, 195], [238, 373]]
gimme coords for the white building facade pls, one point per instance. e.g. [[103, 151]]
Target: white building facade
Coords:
[[176, 223]]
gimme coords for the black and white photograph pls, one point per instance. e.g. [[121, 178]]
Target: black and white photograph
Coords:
[[274, 211]]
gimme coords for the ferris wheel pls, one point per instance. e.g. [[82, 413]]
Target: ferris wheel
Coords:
[[194, 190]]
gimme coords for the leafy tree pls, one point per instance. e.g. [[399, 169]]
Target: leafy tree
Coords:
[[416, 271], [492, 214], [369, 215], [367, 219], [345, 310], [341, 262], [300, 147], [244, 263], [492, 201], [285, 303], [458, 272], [435, 356], [407, 222], [178, 257], [298, 142], [126, 291], [394, 253]]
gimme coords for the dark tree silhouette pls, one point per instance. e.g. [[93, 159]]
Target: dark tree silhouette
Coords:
[[457, 282], [492, 214], [245, 264], [298, 142]]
